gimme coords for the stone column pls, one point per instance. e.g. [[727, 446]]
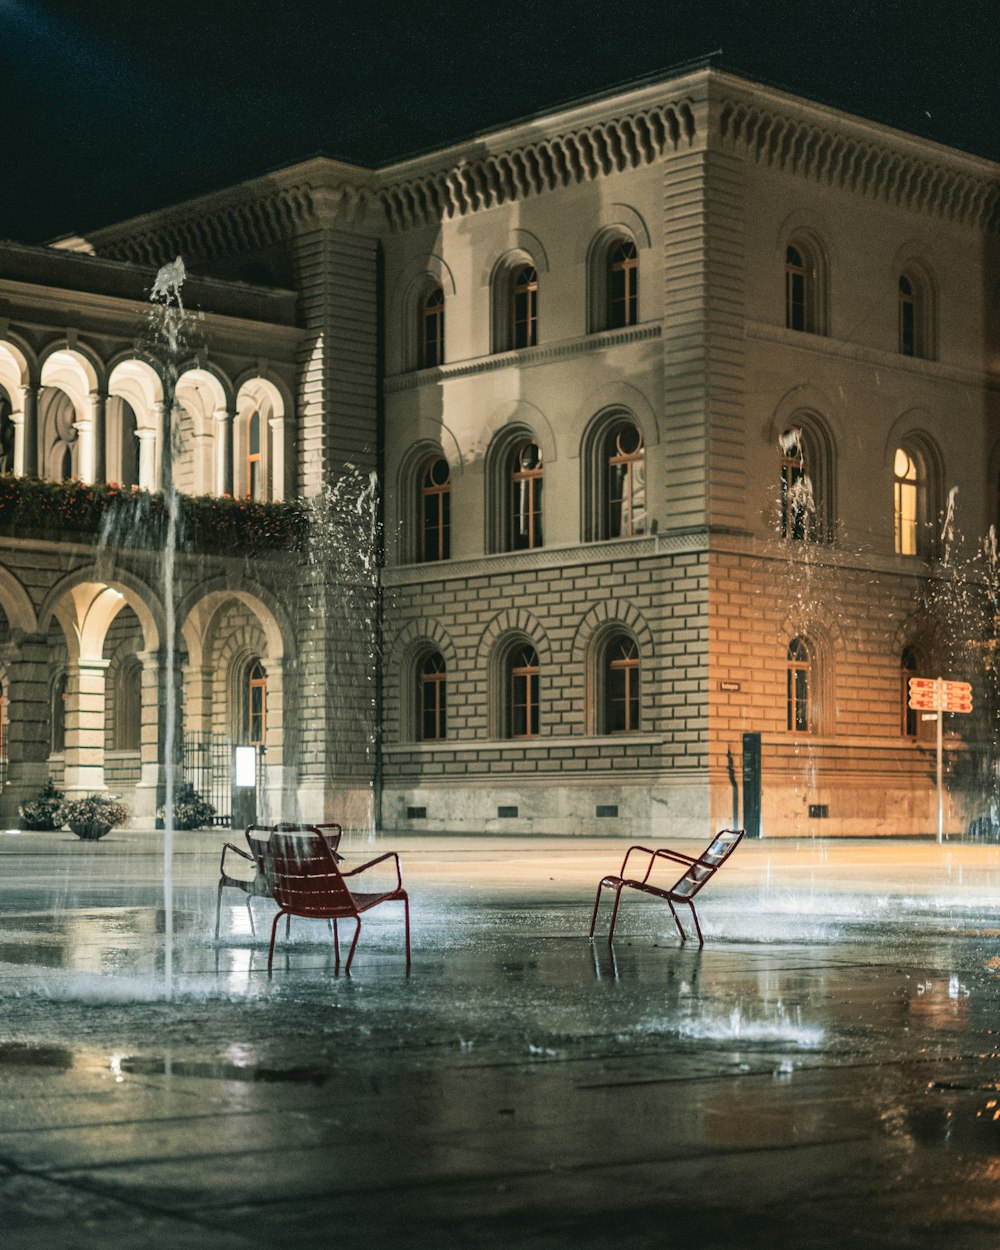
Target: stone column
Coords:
[[149, 785], [28, 724], [147, 458], [99, 434], [223, 451], [85, 448], [277, 425], [85, 729], [26, 434]]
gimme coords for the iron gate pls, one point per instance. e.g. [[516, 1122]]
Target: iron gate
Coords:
[[208, 766]]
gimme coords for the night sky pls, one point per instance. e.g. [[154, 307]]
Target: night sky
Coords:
[[114, 107]]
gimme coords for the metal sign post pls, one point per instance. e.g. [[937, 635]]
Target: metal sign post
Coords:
[[940, 696]]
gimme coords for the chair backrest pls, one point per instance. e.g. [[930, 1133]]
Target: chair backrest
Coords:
[[708, 863], [307, 881]]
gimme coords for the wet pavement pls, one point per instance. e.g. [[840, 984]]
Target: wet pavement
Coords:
[[824, 1073]]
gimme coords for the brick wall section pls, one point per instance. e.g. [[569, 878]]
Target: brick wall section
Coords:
[[668, 591]]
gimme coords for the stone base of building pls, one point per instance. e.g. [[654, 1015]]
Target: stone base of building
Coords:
[[664, 810]]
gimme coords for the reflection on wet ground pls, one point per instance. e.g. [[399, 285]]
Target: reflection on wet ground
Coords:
[[824, 1073]]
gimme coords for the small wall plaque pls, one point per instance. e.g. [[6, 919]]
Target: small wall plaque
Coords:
[[729, 685]]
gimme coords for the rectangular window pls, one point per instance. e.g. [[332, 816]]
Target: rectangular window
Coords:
[[524, 704]]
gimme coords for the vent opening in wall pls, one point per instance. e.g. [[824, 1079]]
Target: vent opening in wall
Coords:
[[607, 809], [506, 812], [819, 811], [416, 813]]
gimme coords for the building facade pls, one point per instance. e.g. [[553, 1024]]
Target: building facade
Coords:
[[664, 397]]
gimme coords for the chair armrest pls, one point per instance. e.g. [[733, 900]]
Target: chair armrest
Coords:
[[628, 855], [228, 846], [664, 852], [379, 860]]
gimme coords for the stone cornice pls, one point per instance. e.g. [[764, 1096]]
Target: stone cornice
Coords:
[[635, 128], [317, 193], [865, 158], [523, 358], [644, 547]]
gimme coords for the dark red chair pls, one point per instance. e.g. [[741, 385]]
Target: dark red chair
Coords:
[[260, 885], [698, 871], [308, 882]]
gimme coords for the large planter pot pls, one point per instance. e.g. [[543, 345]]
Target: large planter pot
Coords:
[[90, 832]]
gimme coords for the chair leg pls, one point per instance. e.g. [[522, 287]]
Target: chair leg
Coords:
[[597, 903], [677, 920], [406, 919], [614, 914], [253, 927], [218, 911], [274, 934], [336, 945], [357, 934], [288, 925], [701, 940]]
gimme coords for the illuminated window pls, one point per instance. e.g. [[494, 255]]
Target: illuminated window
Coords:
[[799, 711], [522, 676], [255, 704], [621, 685], [526, 497], [435, 498], [432, 329], [623, 285], [524, 306], [907, 492], [433, 698]]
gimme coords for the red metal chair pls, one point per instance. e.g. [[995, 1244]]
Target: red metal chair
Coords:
[[261, 884], [309, 883], [698, 871]]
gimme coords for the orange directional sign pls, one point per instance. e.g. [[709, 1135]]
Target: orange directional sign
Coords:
[[934, 694]]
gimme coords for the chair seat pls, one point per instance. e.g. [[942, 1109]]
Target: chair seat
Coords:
[[698, 871]]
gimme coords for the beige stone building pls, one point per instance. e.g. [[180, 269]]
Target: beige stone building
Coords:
[[665, 394]]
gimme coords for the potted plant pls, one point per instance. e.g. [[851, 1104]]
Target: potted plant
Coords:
[[92, 817], [42, 812], [191, 811]]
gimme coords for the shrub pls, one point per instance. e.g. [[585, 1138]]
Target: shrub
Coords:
[[92, 817], [42, 812], [191, 811]]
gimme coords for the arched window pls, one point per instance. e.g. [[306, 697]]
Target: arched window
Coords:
[[254, 478], [909, 503], [623, 284], [804, 294], [254, 704], [57, 715], [620, 679], [805, 483], [907, 317], [625, 482], [799, 708], [127, 726], [431, 329], [433, 698], [525, 510], [524, 306], [522, 692], [435, 502]]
